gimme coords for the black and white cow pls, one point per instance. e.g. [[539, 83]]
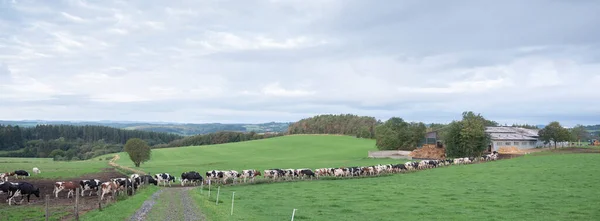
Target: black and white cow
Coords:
[[150, 179], [10, 188], [21, 173], [165, 178], [215, 174], [89, 185], [191, 176], [24, 188], [250, 174]]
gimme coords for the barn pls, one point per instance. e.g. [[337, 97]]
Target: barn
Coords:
[[509, 137]]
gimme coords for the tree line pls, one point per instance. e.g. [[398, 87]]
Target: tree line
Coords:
[[218, 138], [343, 124], [68, 142]]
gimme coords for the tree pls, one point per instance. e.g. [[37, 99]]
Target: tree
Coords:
[[554, 133], [396, 134], [579, 133], [138, 151], [467, 138]]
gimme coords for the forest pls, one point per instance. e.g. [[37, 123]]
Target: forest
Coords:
[[344, 124], [65, 142]]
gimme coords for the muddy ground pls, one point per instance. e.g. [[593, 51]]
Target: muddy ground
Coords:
[[62, 204]]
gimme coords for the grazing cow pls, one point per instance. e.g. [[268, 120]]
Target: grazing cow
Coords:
[[192, 176], [36, 170], [89, 185], [25, 189], [21, 173], [59, 186], [150, 179], [164, 177]]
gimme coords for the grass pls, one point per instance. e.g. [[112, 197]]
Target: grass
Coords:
[[299, 151], [122, 210], [50, 168], [32, 213], [534, 187]]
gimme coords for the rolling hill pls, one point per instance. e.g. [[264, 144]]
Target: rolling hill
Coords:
[[294, 151]]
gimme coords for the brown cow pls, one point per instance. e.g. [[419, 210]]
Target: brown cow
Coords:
[[70, 186], [107, 187]]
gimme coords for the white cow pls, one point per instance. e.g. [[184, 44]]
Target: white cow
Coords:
[[36, 170]]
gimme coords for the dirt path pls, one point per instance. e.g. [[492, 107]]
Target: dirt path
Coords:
[[169, 204]]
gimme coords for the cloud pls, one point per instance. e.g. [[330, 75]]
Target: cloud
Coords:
[[202, 61]]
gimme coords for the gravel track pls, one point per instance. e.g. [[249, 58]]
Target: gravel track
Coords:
[[177, 205], [140, 214]]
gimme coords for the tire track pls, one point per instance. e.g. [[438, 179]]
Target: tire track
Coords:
[[170, 204]]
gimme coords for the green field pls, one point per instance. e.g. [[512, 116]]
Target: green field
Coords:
[[298, 151], [52, 169], [545, 187]]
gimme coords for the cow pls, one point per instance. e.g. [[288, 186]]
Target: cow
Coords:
[[164, 177], [191, 176], [306, 173], [150, 180], [107, 187], [4, 176], [25, 189], [136, 179], [36, 170], [59, 186], [89, 185], [251, 174], [215, 174], [21, 173], [10, 188]]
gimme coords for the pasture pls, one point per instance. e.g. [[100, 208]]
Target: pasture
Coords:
[[52, 169], [532, 187], [297, 151]]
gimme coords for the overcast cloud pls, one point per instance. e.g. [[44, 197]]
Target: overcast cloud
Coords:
[[283, 60]]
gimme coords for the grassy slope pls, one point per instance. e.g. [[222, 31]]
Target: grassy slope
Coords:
[[122, 210], [52, 169], [299, 151], [546, 187]]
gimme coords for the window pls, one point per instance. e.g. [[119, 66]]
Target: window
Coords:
[[532, 143], [507, 143], [516, 143], [524, 143], [499, 144]]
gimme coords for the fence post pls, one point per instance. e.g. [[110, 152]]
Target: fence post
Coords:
[[293, 214], [218, 191], [77, 204], [201, 187], [47, 212], [208, 188], [232, 200], [100, 202]]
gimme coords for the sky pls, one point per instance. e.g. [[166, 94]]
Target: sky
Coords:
[[256, 61]]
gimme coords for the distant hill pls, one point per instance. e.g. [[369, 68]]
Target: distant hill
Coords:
[[175, 128]]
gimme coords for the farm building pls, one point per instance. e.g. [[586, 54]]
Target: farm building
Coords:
[[509, 137]]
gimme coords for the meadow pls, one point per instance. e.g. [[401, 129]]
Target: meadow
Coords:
[[297, 151], [52, 169], [533, 187]]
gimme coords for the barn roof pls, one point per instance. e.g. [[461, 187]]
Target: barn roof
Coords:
[[512, 133]]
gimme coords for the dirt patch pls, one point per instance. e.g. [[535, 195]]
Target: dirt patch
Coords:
[[429, 151], [574, 150], [86, 203]]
